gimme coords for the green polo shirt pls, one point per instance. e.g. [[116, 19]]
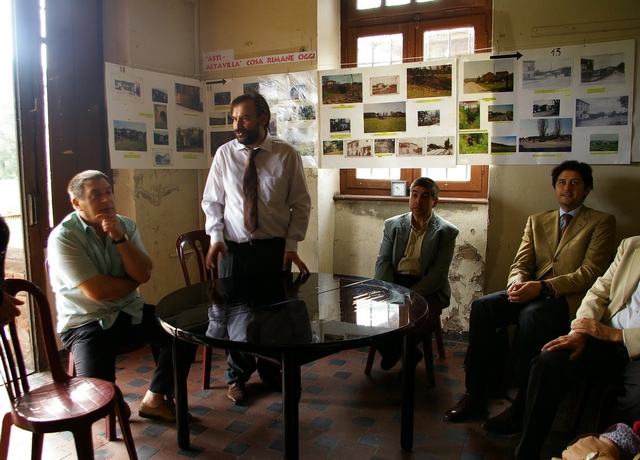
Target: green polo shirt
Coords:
[[76, 254]]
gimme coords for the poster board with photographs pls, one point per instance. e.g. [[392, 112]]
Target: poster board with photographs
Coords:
[[539, 106], [292, 99], [548, 106], [154, 120], [389, 116]]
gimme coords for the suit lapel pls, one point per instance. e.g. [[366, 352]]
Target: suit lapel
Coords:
[[403, 238], [550, 226]]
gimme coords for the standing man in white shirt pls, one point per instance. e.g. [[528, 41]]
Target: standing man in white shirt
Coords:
[[243, 244]]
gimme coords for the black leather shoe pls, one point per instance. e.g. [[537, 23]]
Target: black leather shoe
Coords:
[[235, 392], [466, 407], [505, 423]]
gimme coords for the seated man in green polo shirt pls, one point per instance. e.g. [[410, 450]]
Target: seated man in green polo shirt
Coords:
[[96, 263]]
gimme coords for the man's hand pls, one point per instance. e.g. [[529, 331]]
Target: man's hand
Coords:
[[9, 308], [111, 225], [596, 329], [520, 292], [211, 259], [588, 444], [291, 256], [574, 341]]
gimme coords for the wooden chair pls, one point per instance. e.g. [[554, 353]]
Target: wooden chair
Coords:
[[431, 328], [68, 403], [198, 242]]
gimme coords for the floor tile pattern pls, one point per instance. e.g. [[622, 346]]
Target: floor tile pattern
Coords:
[[343, 415]]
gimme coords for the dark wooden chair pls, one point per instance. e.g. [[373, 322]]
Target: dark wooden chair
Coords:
[[433, 327], [67, 403], [197, 243]]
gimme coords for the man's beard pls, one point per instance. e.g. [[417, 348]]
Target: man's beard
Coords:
[[248, 137]]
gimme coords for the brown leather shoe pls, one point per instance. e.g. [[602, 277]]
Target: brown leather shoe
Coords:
[[463, 409], [505, 423], [165, 412], [235, 392]]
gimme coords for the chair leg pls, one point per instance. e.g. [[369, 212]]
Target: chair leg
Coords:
[[427, 349], [83, 438], [110, 426], [370, 358], [7, 423], [125, 427], [439, 341], [37, 441], [71, 368], [206, 368]]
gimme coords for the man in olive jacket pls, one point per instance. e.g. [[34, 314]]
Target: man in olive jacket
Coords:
[[562, 253]]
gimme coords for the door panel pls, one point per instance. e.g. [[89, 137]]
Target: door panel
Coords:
[[75, 85]]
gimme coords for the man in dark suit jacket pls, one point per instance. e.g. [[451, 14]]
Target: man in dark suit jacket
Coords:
[[415, 252], [558, 260]]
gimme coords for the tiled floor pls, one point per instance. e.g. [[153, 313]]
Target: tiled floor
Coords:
[[343, 415]]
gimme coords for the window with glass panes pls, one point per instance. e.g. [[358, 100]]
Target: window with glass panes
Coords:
[[387, 32]]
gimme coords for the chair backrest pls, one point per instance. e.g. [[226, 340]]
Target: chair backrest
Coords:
[[13, 368], [198, 241]]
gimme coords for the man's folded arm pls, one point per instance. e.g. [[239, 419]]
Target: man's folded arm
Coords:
[[101, 287], [136, 263]]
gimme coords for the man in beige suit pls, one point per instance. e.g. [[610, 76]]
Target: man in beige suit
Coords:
[[604, 341], [561, 255]]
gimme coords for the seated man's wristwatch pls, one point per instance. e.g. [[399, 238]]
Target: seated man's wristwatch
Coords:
[[124, 238], [594, 455], [544, 290]]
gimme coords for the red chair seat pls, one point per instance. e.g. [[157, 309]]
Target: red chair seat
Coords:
[[62, 401]]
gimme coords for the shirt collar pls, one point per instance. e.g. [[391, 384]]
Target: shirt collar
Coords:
[[573, 213], [423, 227], [84, 225], [266, 144]]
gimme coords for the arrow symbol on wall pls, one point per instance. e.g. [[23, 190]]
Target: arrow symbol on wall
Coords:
[[507, 56], [215, 82]]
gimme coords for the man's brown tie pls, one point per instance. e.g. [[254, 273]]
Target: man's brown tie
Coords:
[[564, 223], [250, 191]]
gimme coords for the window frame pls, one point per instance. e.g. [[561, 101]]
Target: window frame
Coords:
[[476, 187], [412, 21]]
